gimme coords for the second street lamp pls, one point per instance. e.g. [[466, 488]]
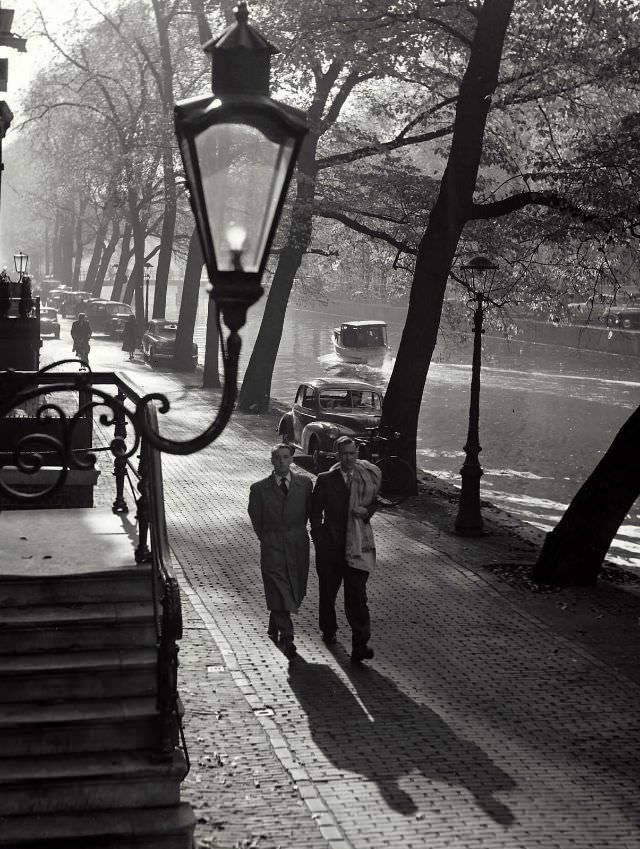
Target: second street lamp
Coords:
[[147, 278], [479, 275]]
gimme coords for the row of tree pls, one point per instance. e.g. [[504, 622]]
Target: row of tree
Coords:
[[439, 130]]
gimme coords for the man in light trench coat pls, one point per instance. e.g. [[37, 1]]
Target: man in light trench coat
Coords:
[[279, 507]]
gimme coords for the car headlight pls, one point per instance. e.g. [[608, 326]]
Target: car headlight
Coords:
[[334, 433]]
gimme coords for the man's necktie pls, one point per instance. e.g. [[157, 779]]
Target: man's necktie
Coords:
[[283, 485]]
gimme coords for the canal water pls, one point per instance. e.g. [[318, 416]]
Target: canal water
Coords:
[[547, 413]]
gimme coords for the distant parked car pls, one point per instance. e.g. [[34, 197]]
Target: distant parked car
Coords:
[[49, 324], [57, 295], [107, 316], [159, 342], [325, 409], [74, 302], [623, 317]]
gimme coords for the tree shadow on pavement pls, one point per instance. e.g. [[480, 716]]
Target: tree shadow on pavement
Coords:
[[383, 735]]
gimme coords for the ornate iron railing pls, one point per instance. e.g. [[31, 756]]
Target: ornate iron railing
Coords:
[[133, 417]]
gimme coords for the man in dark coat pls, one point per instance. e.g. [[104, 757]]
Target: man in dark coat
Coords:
[[279, 510], [344, 499]]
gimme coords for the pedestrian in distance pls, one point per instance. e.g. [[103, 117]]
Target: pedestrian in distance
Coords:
[[81, 333], [343, 502], [279, 508], [130, 335]]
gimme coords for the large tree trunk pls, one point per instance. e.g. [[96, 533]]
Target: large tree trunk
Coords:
[[166, 238], [255, 392], [189, 303], [573, 551], [256, 386], [211, 375], [78, 250], [107, 254], [96, 256], [165, 89], [123, 263], [437, 248]]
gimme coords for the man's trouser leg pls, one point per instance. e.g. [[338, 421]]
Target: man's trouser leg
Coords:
[[329, 580], [355, 605], [282, 620]]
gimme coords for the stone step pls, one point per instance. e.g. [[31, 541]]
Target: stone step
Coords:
[[76, 626], [75, 675], [147, 828], [81, 782], [77, 726], [111, 585]]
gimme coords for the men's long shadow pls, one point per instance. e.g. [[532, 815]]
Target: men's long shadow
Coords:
[[386, 735]]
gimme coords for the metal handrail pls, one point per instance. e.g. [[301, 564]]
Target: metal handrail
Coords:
[[18, 387]]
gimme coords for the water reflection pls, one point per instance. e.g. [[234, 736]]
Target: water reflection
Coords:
[[547, 413]]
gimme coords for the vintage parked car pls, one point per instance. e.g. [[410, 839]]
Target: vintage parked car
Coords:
[[623, 317], [325, 409], [56, 296], [73, 303], [159, 342], [49, 324], [106, 316]]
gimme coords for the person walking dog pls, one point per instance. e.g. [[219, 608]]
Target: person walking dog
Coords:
[[279, 508], [343, 502]]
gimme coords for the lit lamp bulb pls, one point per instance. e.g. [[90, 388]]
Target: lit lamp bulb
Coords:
[[236, 237]]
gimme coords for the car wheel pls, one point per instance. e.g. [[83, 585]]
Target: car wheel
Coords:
[[56, 335], [316, 458]]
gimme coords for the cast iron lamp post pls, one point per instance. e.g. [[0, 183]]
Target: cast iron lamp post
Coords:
[[478, 276], [147, 278]]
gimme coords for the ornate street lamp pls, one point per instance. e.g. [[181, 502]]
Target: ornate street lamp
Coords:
[[20, 262], [239, 148], [147, 278], [478, 278]]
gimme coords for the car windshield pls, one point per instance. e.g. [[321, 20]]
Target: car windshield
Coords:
[[114, 308], [351, 400], [46, 312]]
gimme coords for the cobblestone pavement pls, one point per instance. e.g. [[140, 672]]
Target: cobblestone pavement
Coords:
[[476, 724]]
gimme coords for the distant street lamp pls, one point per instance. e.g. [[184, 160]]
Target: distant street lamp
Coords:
[[147, 278], [20, 262], [478, 280]]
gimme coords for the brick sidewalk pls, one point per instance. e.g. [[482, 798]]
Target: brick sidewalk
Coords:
[[475, 725]]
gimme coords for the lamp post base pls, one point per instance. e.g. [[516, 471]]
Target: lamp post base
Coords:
[[469, 519]]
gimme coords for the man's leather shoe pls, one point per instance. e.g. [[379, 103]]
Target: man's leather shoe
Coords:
[[361, 653], [288, 648], [329, 639]]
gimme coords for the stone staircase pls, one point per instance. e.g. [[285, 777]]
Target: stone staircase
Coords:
[[78, 715]]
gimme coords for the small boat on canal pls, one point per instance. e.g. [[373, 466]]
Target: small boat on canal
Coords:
[[361, 342]]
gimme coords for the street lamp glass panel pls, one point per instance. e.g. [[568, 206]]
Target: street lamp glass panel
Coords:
[[243, 172], [20, 262]]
